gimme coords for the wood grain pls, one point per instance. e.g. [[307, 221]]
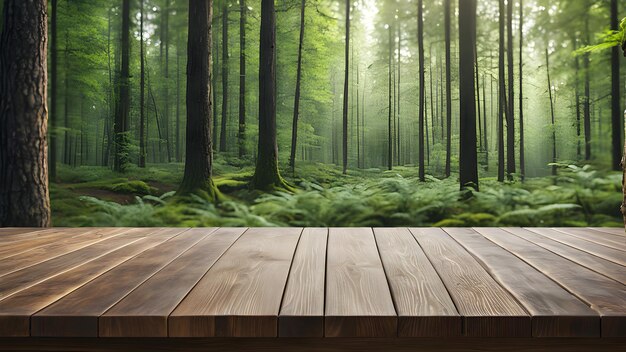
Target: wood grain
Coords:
[[422, 302], [597, 264], [9, 232], [611, 230], [144, 312], [16, 310], [598, 250], [16, 246], [604, 295], [55, 249], [555, 312], [24, 278], [605, 239], [240, 296], [302, 310], [358, 299], [76, 315], [488, 310]]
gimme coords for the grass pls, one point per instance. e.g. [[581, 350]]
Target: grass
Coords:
[[95, 196]]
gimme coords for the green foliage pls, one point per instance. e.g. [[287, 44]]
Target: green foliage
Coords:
[[606, 40]]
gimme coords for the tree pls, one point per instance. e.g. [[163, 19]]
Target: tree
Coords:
[[422, 92], [553, 126], [122, 121], [266, 175], [52, 152], [296, 104], [448, 89], [468, 165], [199, 154], [24, 198], [617, 122], [522, 156], [243, 19], [225, 12], [510, 116], [346, 91], [142, 93], [501, 96], [389, 119]]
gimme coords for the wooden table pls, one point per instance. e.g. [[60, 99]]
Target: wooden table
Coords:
[[418, 289]]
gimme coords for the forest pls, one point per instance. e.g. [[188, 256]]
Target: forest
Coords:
[[315, 113]]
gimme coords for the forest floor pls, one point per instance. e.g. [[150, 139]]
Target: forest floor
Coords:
[[96, 196]]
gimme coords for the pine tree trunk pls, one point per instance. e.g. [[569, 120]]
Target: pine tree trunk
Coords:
[[122, 117], [224, 77], [346, 92], [142, 94], [501, 95], [296, 104], [551, 114], [422, 89], [24, 198], [617, 122], [216, 72], [166, 75], [243, 19], [510, 121], [468, 166], [199, 155], [179, 154], [447, 16], [266, 175], [390, 112], [587, 102], [53, 91], [522, 156]]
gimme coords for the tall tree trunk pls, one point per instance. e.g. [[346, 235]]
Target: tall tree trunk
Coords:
[[179, 156], [166, 75], [266, 175], [214, 79], [501, 95], [447, 15], [142, 93], [399, 63], [422, 84], [52, 163], [510, 121], [587, 102], [122, 158], [390, 113], [551, 114], [296, 104], [107, 137], [66, 103], [617, 122], [24, 197], [346, 91], [522, 156], [577, 98], [468, 166], [243, 19], [224, 77], [199, 155], [358, 111], [477, 85]]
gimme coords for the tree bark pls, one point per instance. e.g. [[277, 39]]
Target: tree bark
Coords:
[[501, 95], [422, 89], [447, 15], [468, 166], [24, 197], [551, 114], [224, 77], [617, 122], [266, 175], [522, 156], [52, 163], [587, 100], [346, 91], [199, 154], [296, 104], [142, 93], [510, 118], [122, 158], [243, 19], [166, 74], [390, 112]]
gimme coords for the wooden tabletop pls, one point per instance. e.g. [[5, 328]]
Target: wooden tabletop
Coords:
[[313, 282]]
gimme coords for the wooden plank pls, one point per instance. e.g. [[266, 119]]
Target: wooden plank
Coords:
[[315, 344], [76, 315], [488, 310], [302, 310], [52, 250], [240, 295], [16, 310], [144, 312], [555, 312], [605, 239], [24, 278], [358, 299], [15, 247], [9, 232], [601, 251], [604, 295], [424, 307], [611, 230], [597, 264]]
